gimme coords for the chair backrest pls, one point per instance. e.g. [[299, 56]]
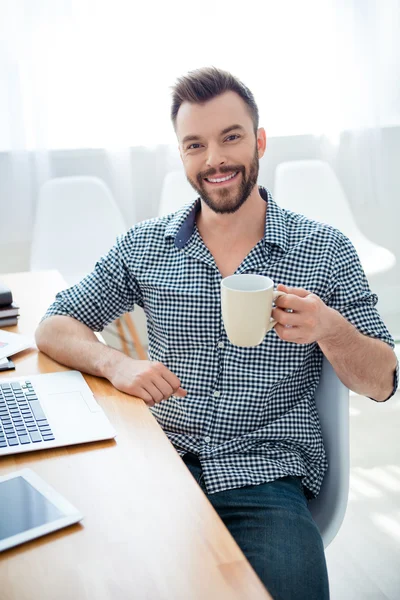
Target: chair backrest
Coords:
[[332, 401], [176, 192], [77, 221], [311, 188]]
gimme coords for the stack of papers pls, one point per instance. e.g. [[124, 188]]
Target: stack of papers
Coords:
[[9, 311], [9, 315]]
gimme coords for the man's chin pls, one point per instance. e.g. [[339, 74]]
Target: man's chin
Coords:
[[224, 206]]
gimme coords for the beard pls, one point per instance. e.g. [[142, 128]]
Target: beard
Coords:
[[228, 200]]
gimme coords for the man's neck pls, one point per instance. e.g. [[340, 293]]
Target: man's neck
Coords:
[[247, 223]]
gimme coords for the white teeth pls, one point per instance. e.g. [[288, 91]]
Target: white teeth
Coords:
[[222, 179]]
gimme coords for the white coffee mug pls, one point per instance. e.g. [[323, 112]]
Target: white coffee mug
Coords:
[[246, 304]]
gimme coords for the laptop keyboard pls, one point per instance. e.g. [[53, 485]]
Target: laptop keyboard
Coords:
[[22, 420]]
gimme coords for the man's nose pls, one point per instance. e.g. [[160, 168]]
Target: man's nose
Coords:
[[215, 157]]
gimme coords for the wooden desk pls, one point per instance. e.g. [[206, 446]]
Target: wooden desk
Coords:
[[148, 531]]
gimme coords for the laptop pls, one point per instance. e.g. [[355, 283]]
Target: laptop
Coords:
[[47, 411]]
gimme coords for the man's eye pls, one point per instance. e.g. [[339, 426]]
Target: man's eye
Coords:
[[233, 135]]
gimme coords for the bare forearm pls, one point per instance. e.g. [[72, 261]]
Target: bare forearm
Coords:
[[364, 364], [73, 344]]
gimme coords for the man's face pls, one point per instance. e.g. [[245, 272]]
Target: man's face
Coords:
[[210, 151]]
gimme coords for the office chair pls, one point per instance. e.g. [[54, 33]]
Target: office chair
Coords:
[[310, 187], [332, 401], [77, 221]]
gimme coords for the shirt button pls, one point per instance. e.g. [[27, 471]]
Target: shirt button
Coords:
[[217, 394], [221, 344], [207, 439]]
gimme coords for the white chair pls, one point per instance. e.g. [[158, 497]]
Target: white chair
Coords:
[[176, 192], [310, 187], [77, 221], [332, 401]]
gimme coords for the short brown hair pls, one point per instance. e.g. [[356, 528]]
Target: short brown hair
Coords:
[[207, 83]]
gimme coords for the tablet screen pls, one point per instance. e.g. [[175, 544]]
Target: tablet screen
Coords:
[[22, 507]]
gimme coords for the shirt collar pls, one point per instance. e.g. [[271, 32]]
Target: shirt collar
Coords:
[[181, 225]]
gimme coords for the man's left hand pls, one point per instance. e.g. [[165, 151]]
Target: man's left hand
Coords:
[[311, 320]]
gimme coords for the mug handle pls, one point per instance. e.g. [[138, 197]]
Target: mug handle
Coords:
[[276, 294]]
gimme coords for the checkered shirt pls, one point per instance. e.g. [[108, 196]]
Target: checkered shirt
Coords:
[[250, 413]]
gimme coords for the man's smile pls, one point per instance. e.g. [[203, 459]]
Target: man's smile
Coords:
[[221, 181]]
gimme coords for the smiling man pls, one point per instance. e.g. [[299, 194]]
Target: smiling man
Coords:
[[225, 183], [244, 420]]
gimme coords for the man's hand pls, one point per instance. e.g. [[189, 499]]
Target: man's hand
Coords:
[[310, 319], [146, 379]]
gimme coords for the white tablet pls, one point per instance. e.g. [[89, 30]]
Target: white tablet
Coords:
[[30, 508], [12, 343]]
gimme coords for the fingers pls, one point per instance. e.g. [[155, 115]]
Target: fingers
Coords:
[[160, 384], [181, 392], [286, 318], [288, 334], [301, 292], [144, 395], [292, 301], [150, 380], [151, 393], [294, 298], [163, 387], [155, 392], [289, 301], [172, 381]]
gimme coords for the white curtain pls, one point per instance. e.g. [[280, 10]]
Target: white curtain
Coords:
[[97, 74], [366, 98]]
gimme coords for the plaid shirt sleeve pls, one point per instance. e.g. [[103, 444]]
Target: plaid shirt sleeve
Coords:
[[351, 296], [105, 294]]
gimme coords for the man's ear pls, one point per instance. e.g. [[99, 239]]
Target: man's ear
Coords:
[[261, 142]]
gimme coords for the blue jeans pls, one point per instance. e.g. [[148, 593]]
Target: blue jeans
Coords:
[[273, 526]]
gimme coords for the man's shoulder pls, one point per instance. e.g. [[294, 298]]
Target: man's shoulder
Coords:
[[149, 231], [154, 224], [299, 228], [158, 228]]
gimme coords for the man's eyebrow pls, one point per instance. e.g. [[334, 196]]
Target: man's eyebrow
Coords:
[[192, 138]]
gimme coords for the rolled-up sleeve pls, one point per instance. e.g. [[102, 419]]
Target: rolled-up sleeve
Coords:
[[109, 291], [353, 298]]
